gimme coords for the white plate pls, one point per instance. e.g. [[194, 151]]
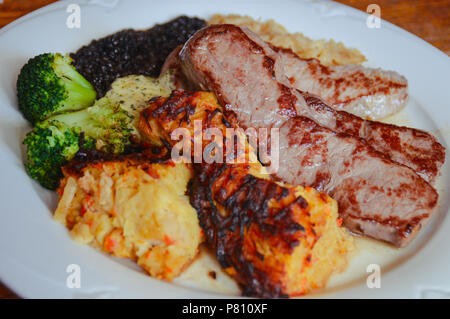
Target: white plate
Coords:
[[35, 250]]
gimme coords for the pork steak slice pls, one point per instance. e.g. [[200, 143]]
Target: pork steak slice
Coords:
[[246, 76], [249, 78], [414, 148], [366, 92], [376, 197]]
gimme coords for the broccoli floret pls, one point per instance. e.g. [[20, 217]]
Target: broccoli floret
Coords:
[[105, 121], [55, 141], [49, 84], [50, 145]]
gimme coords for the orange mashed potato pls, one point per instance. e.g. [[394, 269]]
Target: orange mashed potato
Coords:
[[133, 209]]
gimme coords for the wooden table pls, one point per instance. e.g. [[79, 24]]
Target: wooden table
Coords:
[[429, 20]]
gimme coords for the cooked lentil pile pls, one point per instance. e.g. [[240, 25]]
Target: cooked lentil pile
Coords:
[[132, 52]]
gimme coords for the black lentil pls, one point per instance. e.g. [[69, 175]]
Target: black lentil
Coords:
[[132, 52]]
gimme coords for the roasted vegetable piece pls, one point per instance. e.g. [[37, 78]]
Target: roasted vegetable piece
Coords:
[[275, 239], [49, 146], [49, 84], [55, 141], [106, 122], [133, 207]]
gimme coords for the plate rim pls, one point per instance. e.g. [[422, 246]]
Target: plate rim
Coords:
[[61, 4]]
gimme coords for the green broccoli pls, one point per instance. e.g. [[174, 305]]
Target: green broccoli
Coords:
[[49, 84], [50, 145], [55, 141]]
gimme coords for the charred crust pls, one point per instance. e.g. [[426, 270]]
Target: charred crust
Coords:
[[236, 209], [135, 156], [212, 274], [225, 122], [269, 64], [286, 101], [227, 216]]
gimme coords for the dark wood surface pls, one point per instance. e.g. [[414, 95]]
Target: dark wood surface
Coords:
[[428, 19]]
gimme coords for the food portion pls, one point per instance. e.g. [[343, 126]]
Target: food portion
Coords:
[[49, 84], [58, 101], [132, 207], [275, 239], [327, 52], [221, 58], [104, 136], [347, 156], [365, 92], [132, 52], [376, 197], [417, 149], [329, 70], [55, 141], [132, 92]]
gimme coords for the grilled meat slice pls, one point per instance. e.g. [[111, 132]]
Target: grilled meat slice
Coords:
[[376, 197], [274, 239], [414, 148], [255, 89], [365, 92], [249, 78], [172, 64]]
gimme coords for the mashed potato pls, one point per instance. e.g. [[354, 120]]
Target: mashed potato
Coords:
[[132, 91], [327, 52], [133, 209], [130, 208], [329, 254]]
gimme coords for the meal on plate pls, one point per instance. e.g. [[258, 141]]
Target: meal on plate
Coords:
[[148, 138]]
